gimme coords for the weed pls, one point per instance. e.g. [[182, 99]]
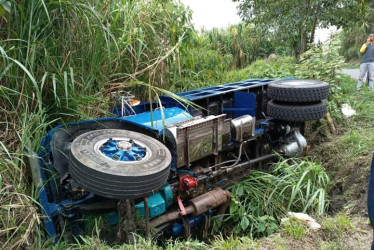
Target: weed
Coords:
[[294, 228], [334, 227], [333, 245], [232, 242], [323, 63], [280, 242], [262, 198]]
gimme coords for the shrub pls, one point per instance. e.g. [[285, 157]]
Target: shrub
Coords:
[[262, 199], [294, 228], [322, 62]]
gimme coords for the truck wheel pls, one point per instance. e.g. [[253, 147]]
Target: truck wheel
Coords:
[[298, 91], [299, 112], [119, 164]]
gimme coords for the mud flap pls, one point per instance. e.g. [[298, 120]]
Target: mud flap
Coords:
[[371, 198]]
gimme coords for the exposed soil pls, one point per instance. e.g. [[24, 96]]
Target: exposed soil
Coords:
[[349, 179], [358, 238], [348, 194]]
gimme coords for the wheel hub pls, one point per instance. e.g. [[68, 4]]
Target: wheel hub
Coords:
[[124, 145], [123, 150]]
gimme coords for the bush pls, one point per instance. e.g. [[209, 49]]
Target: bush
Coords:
[[294, 228], [322, 63], [262, 199]]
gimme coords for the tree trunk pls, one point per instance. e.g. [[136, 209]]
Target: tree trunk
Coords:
[[303, 31], [303, 46], [313, 30], [315, 21]]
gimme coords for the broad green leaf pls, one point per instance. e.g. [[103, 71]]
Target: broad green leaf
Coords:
[[6, 6], [261, 227], [244, 223]]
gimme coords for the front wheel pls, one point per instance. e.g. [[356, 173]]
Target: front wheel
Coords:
[[119, 164]]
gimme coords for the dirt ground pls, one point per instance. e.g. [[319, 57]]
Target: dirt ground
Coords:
[[359, 237], [348, 195]]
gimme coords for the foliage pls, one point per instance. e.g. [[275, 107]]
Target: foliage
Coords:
[[233, 242], [278, 67], [243, 41], [323, 63], [356, 34], [292, 185], [291, 20], [352, 40], [294, 228], [56, 58], [337, 225], [59, 61]]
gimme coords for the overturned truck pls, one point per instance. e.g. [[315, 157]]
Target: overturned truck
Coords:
[[170, 165]]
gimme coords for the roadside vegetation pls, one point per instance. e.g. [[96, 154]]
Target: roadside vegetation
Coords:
[[59, 61]]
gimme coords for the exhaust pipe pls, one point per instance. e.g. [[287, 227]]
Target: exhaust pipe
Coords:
[[199, 205]]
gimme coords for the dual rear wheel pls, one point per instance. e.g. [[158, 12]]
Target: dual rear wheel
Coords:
[[297, 100]]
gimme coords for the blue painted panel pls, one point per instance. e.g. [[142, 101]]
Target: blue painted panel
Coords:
[[111, 150], [245, 104], [167, 194], [223, 89], [156, 206], [154, 120], [177, 228]]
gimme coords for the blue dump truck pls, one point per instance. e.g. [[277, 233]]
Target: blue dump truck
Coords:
[[169, 162]]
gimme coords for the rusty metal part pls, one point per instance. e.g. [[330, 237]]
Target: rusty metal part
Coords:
[[206, 226], [209, 200], [199, 205], [222, 209], [169, 217], [126, 225], [187, 227]]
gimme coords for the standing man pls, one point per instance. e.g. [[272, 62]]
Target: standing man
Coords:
[[367, 63]]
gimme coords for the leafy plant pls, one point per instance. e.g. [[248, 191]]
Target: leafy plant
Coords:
[[294, 228], [323, 62], [263, 198], [296, 21], [334, 227], [233, 242]]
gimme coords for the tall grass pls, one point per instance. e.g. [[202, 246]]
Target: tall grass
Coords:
[[56, 60], [59, 60], [243, 41], [263, 198]]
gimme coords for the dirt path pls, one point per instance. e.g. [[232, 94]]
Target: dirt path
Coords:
[[351, 72]]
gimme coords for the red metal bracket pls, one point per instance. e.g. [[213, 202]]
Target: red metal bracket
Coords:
[[182, 209], [187, 182]]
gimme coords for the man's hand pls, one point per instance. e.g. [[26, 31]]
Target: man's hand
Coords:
[[368, 41]]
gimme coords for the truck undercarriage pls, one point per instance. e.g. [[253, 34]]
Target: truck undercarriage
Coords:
[[167, 162]]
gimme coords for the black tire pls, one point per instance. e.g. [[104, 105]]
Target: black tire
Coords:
[[297, 113], [298, 91], [109, 178]]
